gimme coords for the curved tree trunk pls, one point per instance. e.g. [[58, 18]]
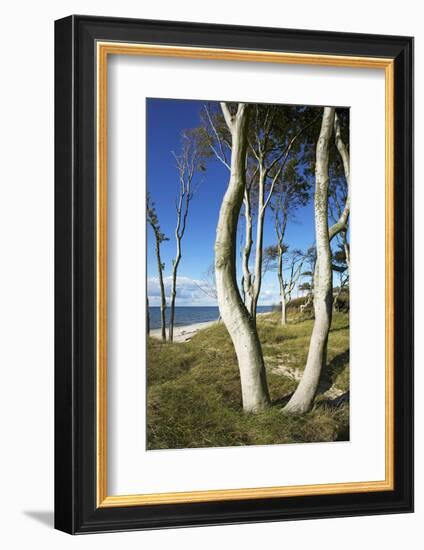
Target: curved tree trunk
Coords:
[[247, 276], [239, 323], [303, 397], [341, 224]]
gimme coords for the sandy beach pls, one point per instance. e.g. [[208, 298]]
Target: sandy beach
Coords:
[[184, 333]]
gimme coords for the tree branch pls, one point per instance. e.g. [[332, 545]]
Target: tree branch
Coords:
[[220, 156], [227, 115], [285, 153], [341, 224]]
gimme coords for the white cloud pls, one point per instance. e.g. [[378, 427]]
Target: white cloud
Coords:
[[269, 292], [196, 292], [190, 292]]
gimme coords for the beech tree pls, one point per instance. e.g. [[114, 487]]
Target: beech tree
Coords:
[[239, 323], [276, 256], [342, 223], [219, 142], [247, 278], [338, 198], [160, 237], [339, 210], [188, 163], [291, 193], [273, 137], [303, 397]]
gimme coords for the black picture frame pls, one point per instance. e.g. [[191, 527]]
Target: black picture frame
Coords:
[[76, 510]]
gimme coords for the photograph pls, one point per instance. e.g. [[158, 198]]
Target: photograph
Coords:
[[248, 261], [218, 358]]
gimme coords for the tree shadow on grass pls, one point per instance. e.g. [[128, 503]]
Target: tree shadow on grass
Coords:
[[336, 402], [335, 367], [338, 364], [328, 377], [340, 328], [281, 402], [300, 320]]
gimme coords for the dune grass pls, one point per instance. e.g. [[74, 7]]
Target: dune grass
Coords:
[[194, 396]]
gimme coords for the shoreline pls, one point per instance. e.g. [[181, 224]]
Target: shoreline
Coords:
[[185, 333]]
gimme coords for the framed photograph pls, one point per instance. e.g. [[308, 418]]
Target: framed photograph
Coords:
[[234, 269]]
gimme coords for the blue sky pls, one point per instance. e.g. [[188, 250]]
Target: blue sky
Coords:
[[166, 118]]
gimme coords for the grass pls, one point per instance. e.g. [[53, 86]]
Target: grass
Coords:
[[194, 396]]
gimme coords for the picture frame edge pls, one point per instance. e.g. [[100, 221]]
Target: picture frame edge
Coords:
[[76, 510]]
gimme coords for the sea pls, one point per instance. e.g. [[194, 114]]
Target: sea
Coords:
[[189, 315]]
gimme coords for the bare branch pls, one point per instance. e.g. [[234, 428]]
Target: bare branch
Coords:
[[252, 148], [221, 155]]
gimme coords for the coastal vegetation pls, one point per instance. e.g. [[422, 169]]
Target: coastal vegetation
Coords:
[[194, 395], [251, 378]]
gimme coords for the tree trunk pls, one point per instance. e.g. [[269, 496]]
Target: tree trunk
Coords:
[[281, 284], [174, 291], [187, 165], [257, 283], [239, 323], [283, 309], [162, 288], [341, 224], [247, 276], [303, 397]]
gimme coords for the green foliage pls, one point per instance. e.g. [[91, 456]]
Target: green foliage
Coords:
[[153, 220], [194, 396], [271, 252]]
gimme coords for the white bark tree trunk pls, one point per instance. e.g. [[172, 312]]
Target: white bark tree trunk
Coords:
[[239, 323], [187, 164], [247, 276], [257, 282], [280, 229], [281, 284], [341, 224], [303, 397]]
